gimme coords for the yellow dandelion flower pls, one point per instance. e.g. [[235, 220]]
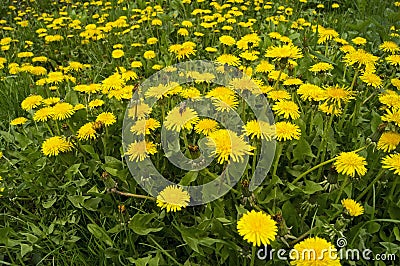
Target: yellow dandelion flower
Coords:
[[227, 40], [55, 145], [393, 60], [62, 111], [264, 67], [319, 67], [284, 52], [173, 198], [106, 118], [392, 116], [350, 163], [371, 79], [313, 252], [178, 119], [352, 207], [143, 126], [259, 129], [140, 150], [392, 162], [86, 132], [337, 95], [228, 145], [228, 59], [257, 228], [18, 121], [388, 141], [286, 109], [149, 54], [43, 114], [206, 126], [139, 111], [329, 109], [287, 131], [95, 103], [277, 95], [31, 102], [391, 99], [389, 46], [359, 41]]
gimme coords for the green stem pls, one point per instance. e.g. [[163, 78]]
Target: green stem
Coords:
[[345, 182], [253, 255], [324, 141], [277, 157], [380, 174]]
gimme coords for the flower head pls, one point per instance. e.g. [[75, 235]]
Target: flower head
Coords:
[[31, 102], [54, 145], [173, 198], [392, 162], [286, 51], [313, 252], [178, 119], [140, 150], [287, 131], [206, 126], [388, 141], [286, 109], [228, 145], [106, 118], [18, 121], [62, 111], [86, 132], [350, 163], [353, 208], [257, 228]]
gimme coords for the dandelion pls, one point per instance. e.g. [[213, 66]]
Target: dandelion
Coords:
[[106, 118], [337, 95], [264, 67], [43, 114], [392, 162], [392, 116], [257, 228], [395, 82], [278, 95], [259, 129], [371, 79], [31, 102], [359, 41], [389, 46], [149, 54], [86, 132], [350, 163], [62, 111], [18, 121], [287, 131], [177, 119], [284, 52], [352, 207], [228, 145], [286, 109], [312, 252], [206, 126], [118, 53], [55, 145], [173, 198], [393, 60], [144, 126], [140, 150], [228, 59], [95, 103], [391, 99], [227, 40], [320, 67]]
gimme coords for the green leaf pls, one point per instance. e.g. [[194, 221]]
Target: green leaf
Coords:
[[89, 149], [92, 204], [49, 203], [302, 150], [141, 224], [373, 227], [100, 233], [312, 187], [188, 178], [72, 97], [25, 249], [77, 200]]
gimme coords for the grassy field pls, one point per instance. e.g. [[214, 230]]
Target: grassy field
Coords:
[[79, 158]]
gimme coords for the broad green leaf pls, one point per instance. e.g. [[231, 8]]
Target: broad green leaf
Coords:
[[100, 233], [312, 187], [25, 249], [141, 224], [188, 178], [302, 150]]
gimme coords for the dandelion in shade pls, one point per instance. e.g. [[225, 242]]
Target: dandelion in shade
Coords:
[[352, 207]]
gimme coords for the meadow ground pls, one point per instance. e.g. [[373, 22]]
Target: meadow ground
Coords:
[[293, 115]]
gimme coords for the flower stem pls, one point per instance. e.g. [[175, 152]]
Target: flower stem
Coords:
[[114, 190], [380, 174], [345, 182], [253, 255]]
